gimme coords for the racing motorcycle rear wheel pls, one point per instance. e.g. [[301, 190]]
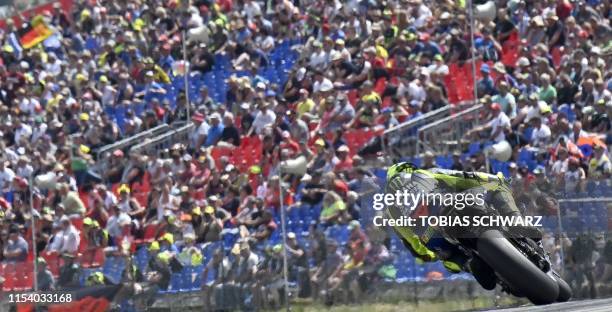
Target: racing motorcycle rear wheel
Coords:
[[515, 269]]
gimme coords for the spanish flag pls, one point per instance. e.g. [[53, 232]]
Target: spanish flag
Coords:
[[36, 32]]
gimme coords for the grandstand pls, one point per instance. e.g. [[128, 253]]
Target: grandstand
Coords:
[[106, 163]]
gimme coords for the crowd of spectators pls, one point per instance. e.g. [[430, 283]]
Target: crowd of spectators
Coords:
[[362, 65]]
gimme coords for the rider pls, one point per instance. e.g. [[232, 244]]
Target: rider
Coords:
[[428, 247]]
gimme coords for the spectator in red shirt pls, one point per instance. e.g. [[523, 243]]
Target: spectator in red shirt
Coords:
[[288, 143], [346, 162]]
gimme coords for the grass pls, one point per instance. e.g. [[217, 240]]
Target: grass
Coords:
[[421, 306]]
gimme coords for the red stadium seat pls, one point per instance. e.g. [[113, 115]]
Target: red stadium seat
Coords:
[[150, 231], [353, 96], [78, 223], [24, 281], [217, 152], [141, 198], [556, 55], [9, 276]]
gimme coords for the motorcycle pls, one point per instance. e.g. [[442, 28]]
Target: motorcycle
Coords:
[[517, 263]]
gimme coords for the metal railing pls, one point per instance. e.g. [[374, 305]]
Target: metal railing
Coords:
[[163, 141], [127, 142], [403, 140], [445, 135]]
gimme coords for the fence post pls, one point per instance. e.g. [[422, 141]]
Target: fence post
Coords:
[[561, 249]]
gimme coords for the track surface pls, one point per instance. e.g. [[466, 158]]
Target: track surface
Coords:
[[599, 305]]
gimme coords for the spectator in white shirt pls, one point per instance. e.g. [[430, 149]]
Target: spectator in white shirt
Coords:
[[70, 238], [24, 169], [317, 58], [200, 132], [22, 131], [6, 175], [577, 132], [575, 176], [265, 117], [499, 122], [541, 132], [559, 167], [108, 198]]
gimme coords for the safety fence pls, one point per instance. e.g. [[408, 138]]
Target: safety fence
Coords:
[[448, 134], [103, 152], [158, 144]]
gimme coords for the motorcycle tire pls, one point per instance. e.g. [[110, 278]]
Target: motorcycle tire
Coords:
[[515, 269], [565, 291]]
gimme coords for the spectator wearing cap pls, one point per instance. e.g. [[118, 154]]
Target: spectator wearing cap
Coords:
[[600, 166], [69, 273], [70, 199], [68, 239], [186, 202], [215, 130], [289, 144], [486, 85], [206, 225], [298, 264], [541, 133], [318, 55], [345, 161], [199, 136], [559, 167], [166, 244], [44, 277], [115, 167], [127, 204], [305, 104], [230, 133], [158, 270], [366, 113], [297, 127], [95, 236], [505, 99], [190, 254], [265, 117], [188, 169], [246, 269], [497, 125]]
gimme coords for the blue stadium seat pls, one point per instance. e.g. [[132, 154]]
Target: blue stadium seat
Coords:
[[142, 258], [474, 148], [113, 268]]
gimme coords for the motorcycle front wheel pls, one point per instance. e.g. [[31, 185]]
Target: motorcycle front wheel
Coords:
[[515, 269]]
